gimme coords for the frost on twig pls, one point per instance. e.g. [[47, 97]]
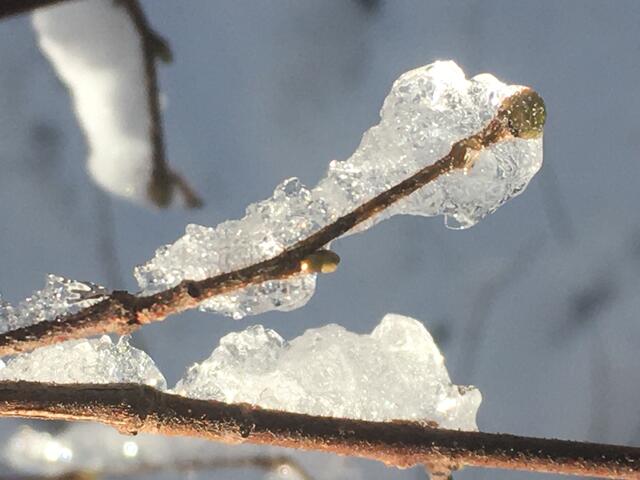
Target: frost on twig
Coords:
[[268, 259], [428, 110], [105, 52]]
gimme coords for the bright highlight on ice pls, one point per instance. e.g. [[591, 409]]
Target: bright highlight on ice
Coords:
[[427, 111], [85, 361], [396, 372]]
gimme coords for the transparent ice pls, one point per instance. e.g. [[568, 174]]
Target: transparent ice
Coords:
[[90, 447], [396, 372], [426, 112], [60, 296], [85, 361]]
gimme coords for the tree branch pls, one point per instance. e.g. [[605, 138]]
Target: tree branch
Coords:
[[133, 408], [123, 312], [9, 8]]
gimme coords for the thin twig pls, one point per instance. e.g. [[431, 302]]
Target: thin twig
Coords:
[[133, 408], [123, 312], [163, 181]]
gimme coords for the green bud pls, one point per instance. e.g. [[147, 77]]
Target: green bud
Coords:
[[322, 261], [525, 114]]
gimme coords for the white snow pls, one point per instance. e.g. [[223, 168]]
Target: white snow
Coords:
[[396, 372], [427, 110], [60, 296], [97, 52], [85, 361]]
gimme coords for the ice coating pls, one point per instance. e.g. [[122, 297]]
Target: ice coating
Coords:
[[85, 361], [427, 111], [396, 372], [60, 296], [267, 229]]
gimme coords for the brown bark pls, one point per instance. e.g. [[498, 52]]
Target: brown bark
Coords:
[[135, 408]]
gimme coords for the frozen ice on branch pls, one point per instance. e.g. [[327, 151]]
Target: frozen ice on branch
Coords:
[[394, 373], [59, 297], [85, 361], [428, 113]]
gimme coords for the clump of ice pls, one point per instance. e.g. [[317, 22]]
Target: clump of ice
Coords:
[[60, 296], [267, 229], [396, 372], [426, 112], [85, 361]]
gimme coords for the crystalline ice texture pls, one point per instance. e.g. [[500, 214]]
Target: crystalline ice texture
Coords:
[[85, 361], [60, 296], [426, 112], [8, 318], [396, 372], [266, 230]]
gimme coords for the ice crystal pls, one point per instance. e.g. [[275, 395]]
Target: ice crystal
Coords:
[[426, 112], [396, 372], [60, 296], [85, 361]]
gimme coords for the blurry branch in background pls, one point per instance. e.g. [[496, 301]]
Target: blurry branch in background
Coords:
[[133, 408], [485, 299], [280, 464], [123, 312], [9, 8], [556, 208], [113, 83], [163, 179]]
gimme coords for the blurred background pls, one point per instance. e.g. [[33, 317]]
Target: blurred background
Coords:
[[537, 305]]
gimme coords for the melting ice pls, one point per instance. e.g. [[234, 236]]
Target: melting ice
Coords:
[[85, 361], [60, 296], [426, 112], [396, 372]]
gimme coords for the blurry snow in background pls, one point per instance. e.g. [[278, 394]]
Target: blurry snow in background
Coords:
[[97, 51], [537, 305]]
